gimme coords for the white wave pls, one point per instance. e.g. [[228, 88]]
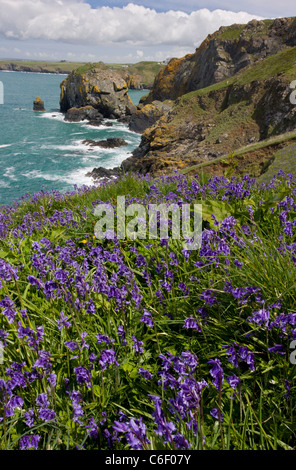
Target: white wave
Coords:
[[10, 173], [56, 115], [4, 184], [74, 146], [89, 126], [5, 145], [79, 177], [32, 174]]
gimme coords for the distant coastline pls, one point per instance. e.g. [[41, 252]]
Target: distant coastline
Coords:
[[53, 68], [138, 76]]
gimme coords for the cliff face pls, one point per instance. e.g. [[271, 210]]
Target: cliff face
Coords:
[[102, 89], [212, 122], [222, 55]]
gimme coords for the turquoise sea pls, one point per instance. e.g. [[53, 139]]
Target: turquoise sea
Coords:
[[41, 150]]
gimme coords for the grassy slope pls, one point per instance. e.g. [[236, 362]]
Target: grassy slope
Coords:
[[259, 417], [276, 159], [200, 105]]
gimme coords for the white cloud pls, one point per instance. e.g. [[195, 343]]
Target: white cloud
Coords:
[[75, 22]]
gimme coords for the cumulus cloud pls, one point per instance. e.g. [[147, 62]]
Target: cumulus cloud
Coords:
[[75, 22]]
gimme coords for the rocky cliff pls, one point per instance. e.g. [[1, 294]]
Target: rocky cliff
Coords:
[[104, 90], [222, 55], [211, 122]]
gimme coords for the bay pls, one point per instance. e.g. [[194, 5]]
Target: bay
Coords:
[[41, 150]]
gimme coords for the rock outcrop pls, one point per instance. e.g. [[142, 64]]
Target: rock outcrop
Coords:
[[212, 122], [146, 116], [104, 173], [38, 104], [110, 143], [88, 113], [222, 55], [102, 89]]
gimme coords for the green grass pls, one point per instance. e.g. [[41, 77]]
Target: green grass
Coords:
[[284, 159], [232, 32], [258, 417], [38, 66], [250, 148], [282, 63]]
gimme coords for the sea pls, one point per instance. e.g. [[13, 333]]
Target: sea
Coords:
[[39, 150]]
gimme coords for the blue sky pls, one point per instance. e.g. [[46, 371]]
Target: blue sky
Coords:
[[118, 30]]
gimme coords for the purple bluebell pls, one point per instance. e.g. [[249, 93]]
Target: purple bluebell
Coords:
[[145, 373], [215, 413], [29, 442], [191, 323], [147, 318], [137, 346], [217, 373]]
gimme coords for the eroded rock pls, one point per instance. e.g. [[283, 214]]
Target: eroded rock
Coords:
[[38, 104], [88, 113], [110, 143], [104, 90]]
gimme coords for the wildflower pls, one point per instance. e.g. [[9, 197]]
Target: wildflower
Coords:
[[287, 386], [217, 373], [92, 428], [72, 345], [63, 322], [181, 442], [233, 381], [104, 339], [147, 318], [46, 414], [82, 376], [76, 397], [29, 418], [29, 442], [209, 297], [135, 432], [107, 357], [215, 413], [278, 349], [145, 373], [137, 345], [8, 309], [247, 356], [42, 401], [52, 379], [122, 334], [190, 323], [43, 361]]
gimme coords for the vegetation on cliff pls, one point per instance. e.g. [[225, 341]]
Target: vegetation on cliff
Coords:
[[210, 123], [139, 344]]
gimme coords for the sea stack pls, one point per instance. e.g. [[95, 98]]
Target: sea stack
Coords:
[[38, 104], [104, 90]]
